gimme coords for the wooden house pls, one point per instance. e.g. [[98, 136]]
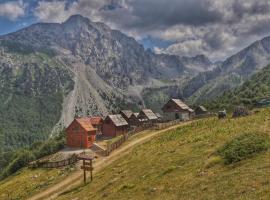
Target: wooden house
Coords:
[[126, 114], [200, 110], [97, 124], [147, 116], [133, 120], [80, 133], [130, 117], [114, 125], [175, 109]]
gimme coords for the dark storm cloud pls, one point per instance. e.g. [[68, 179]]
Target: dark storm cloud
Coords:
[[164, 13]]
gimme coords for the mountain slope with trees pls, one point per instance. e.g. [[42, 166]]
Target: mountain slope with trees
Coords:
[[248, 94]]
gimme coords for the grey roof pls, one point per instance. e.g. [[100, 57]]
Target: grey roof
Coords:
[[136, 114], [182, 105], [127, 113], [149, 114], [118, 120], [203, 108], [158, 115]]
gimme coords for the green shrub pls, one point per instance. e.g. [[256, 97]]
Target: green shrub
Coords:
[[243, 147], [21, 160]]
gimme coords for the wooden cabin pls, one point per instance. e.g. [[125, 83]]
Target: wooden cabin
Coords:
[[80, 133], [133, 120], [147, 116], [97, 124], [200, 110], [175, 109], [114, 125], [126, 114]]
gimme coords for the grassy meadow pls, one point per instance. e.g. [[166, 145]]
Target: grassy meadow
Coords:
[[27, 182], [186, 164]]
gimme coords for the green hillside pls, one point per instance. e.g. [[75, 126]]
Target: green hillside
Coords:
[[254, 89], [31, 96], [192, 162]]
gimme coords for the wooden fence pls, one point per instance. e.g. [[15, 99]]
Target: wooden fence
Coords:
[[55, 164], [159, 126]]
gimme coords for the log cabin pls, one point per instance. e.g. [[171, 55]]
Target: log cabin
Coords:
[[114, 125], [80, 133], [175, 109]]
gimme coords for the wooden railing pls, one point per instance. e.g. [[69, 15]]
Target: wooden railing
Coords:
[[54, 164]]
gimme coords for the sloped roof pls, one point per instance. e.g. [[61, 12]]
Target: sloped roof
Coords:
[[118, 120], [86, 123], [158, 115], [136, 114], [127, 113], [202, 108], [149, 114], [96, 120], [182, 105]]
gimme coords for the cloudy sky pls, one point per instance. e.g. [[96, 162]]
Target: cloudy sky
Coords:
[[216, 28]]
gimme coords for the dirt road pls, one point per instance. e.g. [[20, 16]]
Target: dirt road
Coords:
[[76, 178]]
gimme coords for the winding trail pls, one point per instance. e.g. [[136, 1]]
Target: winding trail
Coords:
[[76, 178]]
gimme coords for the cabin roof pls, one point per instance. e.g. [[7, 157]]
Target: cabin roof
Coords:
[[118, 120], [158, 115], [181, 105], [96, 120], [85, 123], [136, 114], [202, 108], [149, 114], [127, 113]]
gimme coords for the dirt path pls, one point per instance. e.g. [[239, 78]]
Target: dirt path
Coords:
[[77, 177]]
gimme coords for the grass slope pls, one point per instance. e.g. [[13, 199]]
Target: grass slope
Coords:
[[185, 164], [27, 182]]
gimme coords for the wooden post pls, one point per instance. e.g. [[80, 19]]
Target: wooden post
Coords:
[[87, 165], [91, 164]]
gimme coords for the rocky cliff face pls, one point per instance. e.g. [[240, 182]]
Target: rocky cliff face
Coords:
[[91, 69]]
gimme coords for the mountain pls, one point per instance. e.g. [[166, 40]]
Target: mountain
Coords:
[[51, 72], [248, 94], [231, 73]]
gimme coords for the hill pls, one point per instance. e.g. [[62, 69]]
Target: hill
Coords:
[[248, 94], [187, 164]]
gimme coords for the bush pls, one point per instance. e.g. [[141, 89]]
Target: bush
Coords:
[[21, 160], [243, 147]]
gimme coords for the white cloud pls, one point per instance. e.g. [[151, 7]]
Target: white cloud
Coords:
[[12, 10], [58, 11]]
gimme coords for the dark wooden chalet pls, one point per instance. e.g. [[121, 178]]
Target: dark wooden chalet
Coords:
[[147, 116], [114, 125], [200, 110], [175, 109], [126, 114], [133, 120], [80, 133]]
